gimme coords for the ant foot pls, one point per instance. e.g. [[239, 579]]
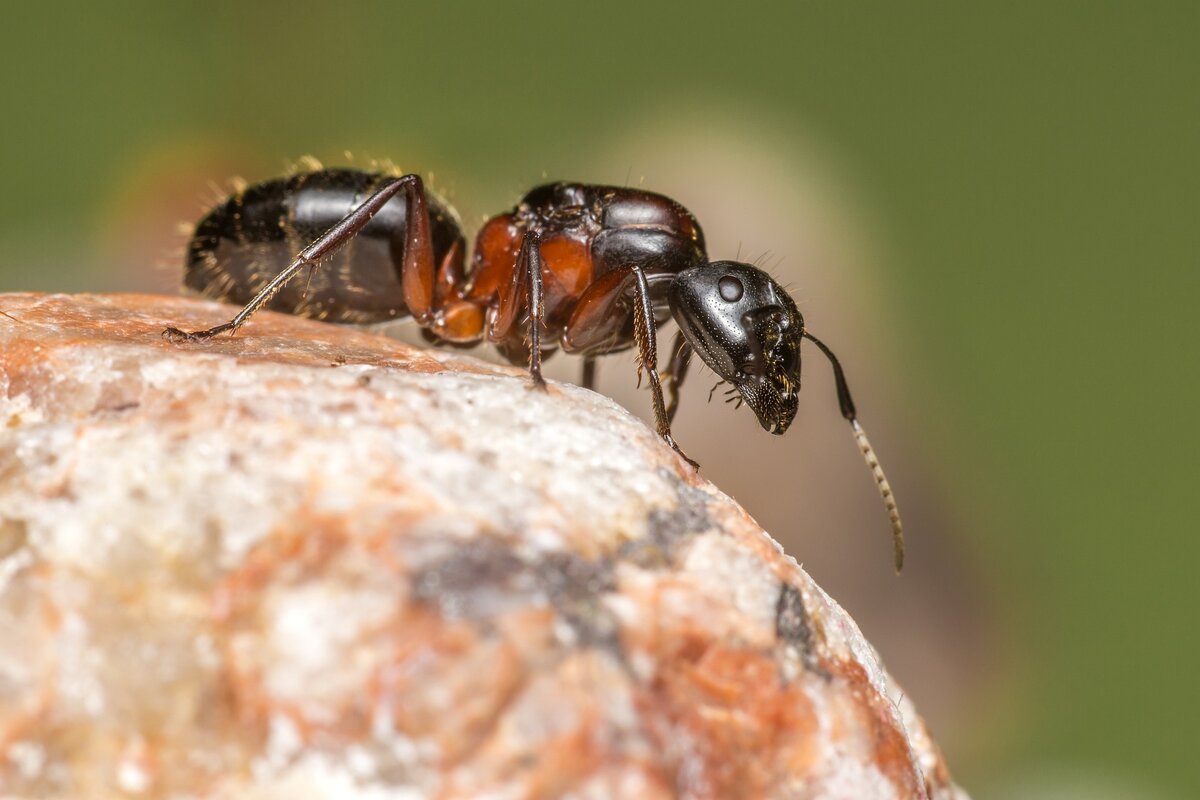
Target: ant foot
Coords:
[[179, 336], [537, 383], [695, 465]]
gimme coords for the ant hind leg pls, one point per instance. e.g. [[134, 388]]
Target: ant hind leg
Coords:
[[416, 275]]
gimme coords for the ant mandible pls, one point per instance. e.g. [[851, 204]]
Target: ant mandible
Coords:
[[590, 269]]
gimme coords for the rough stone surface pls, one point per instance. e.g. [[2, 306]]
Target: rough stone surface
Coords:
[[311, 562]]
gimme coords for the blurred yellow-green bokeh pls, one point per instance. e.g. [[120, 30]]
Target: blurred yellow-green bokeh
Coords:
[[989, 210]]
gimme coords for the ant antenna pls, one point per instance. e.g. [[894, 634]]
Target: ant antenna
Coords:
[[860, 437]]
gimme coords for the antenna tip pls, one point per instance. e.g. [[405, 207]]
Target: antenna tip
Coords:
[[885, 492]]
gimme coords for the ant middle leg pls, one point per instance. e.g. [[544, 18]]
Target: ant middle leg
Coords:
[[526, 285], [417, 271], [537, 306]]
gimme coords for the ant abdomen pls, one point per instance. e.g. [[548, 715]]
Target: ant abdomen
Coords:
[[252, 235]]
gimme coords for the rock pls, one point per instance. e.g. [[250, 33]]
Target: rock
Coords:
[[311, 562]]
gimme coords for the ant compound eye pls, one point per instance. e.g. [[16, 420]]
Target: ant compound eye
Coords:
[[730, 289]]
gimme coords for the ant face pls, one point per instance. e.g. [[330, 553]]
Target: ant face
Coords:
[[747, 329]]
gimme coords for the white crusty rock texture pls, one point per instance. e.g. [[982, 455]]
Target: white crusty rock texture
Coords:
[[311, 562]]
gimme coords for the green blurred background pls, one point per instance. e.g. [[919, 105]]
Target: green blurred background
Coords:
[[991, 212]]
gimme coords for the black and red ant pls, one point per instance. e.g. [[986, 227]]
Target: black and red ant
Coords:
[[590, 269]]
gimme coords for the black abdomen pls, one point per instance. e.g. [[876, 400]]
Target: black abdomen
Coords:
[[253, 235]]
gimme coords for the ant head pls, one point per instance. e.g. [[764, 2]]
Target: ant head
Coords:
[[747, 329]]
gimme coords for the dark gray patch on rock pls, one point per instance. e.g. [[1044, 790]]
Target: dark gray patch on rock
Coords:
[[791, 618], [475, 580], [667, 528], [793, 628], [576, 589], [484, 579]]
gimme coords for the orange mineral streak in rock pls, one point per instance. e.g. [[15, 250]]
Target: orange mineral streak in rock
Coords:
[[434, 661], [724, 701], [250, 601], [866, 717], [312, 562]]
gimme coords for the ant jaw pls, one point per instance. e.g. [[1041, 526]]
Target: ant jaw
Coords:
[[774, 405], [778, 426]]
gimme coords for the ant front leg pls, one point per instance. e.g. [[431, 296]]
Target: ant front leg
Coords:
[[417, 274], [598, 316], [644, 331]]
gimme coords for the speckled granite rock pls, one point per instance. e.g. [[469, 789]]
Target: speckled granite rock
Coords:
[[310, 562]]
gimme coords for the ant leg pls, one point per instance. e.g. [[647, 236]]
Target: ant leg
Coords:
[[417, 272], [537, 308], [644, 331], [450, 275], [599, 315], [524, 286], [527, 278], [588, 378], [417, 276], [677, 367]]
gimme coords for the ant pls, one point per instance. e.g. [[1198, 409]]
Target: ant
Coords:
[[591, 269]]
